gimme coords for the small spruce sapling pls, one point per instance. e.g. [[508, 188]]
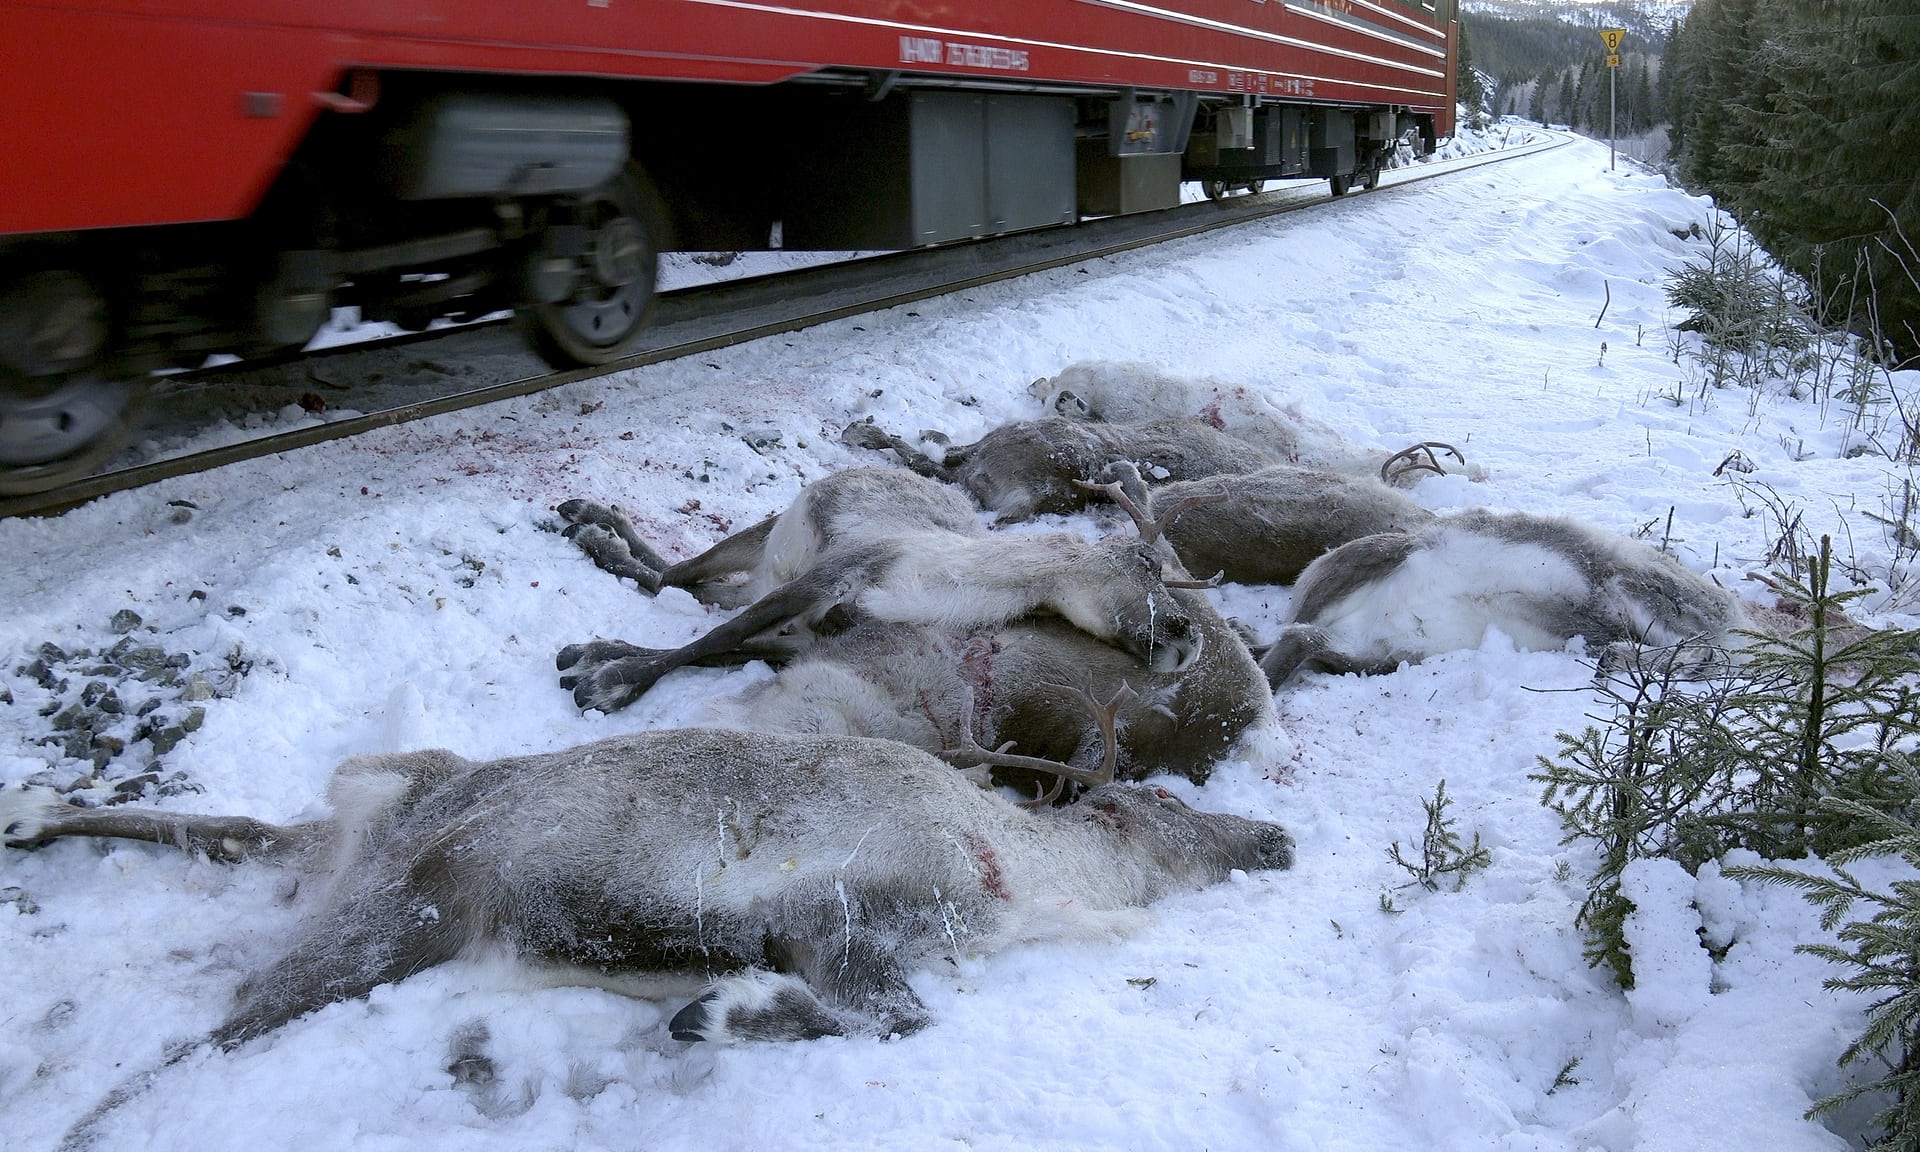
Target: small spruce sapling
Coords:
[[1881, 955], [1706, 752], [1441, 853]]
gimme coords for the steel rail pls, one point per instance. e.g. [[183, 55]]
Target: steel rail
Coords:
[[877, 285]]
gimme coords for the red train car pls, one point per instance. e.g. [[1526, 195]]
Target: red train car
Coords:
[[189, 176]]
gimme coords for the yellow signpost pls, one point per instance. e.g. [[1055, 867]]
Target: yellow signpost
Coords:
[[1612, 36]]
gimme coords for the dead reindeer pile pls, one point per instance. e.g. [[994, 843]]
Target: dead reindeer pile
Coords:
[[910, 641]]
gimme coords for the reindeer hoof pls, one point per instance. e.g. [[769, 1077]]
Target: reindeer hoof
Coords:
[[691, 1023], [590, 696], [598, 652], [610, 687], [25, 813], [757, 1005]]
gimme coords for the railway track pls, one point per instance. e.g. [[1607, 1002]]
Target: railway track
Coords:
[[412, 377]]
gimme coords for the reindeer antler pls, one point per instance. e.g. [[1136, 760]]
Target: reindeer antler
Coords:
[[1418, 458], [1212, 581], [970, 750], [1152, 527]]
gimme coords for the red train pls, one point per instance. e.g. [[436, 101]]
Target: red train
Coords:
[[179, 177]]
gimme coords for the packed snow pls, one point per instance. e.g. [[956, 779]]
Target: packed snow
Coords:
[[404, 590]]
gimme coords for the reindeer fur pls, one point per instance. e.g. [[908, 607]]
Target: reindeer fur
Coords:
[[1376, 602], [1123, 392], [809, 874], [1267, 526], [1019, 471], [889, 545], [928, 686]]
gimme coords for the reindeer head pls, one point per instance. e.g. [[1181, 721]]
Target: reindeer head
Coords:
[[1067, 403], [1115, 591], [1181, 845], [1028, 469]]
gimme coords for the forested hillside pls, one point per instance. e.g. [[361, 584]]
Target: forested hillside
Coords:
[[1803, 119], [1549, 64]]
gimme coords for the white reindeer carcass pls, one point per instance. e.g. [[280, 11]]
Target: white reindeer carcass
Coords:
[[1382, 600], [811, 874]]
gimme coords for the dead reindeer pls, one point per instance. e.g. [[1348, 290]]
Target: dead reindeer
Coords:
[[885, 544], [1124, 392], [802, 877], [1376, 602], [1031, 468], [858, 503], [1022, 683], [1264, 527]]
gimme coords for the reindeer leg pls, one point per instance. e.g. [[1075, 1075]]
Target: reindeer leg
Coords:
[[597, 652], [756, 1005], [846, 982], [611, 518], [618, 682], [377, 937], [581, 662], [863, 435], [1297, 644], [1305, 646], [30, 817], [859, 972], [738, 553], [610, 541]]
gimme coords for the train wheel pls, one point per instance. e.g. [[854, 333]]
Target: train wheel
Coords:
[[55, 432], [1255, 187], [613, 293], [1340, 184], [1215, 189], [59, 417]]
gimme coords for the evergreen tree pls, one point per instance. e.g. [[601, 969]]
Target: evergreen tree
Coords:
[[1803, 118], [1849, 108], [1703, 755], [1640, 98], [1882, 957], [1467, 89], [1537, 101], [1566, 108], [1673, 91], [1720, 60]]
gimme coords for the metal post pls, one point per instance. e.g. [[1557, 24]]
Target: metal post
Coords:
[[1611, 72]]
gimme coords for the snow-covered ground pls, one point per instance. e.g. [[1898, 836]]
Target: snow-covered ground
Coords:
[[401, 590]]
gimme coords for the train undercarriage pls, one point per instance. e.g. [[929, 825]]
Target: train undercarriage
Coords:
[[420, 197]]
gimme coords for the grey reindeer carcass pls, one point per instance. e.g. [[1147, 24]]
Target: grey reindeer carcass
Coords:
[[881, 544], [802, 877], [1264, 527], [1035, 467], [1024, 684], [1129, 392], [936, 686], [1397, 597]]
